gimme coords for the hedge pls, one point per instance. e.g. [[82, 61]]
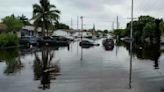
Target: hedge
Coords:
[[8, 39]]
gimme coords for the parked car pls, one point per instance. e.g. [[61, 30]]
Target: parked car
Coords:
[[53, 41], [108, 44], [28, 40], [62, 41], [86, 46], [47, 40], [70, 38], [88, 42], [108, 41], [62, 38]]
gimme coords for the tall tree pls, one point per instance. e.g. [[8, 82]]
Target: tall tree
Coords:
[[44, 15], [12, 23], [24, 19], [162, 28], [149, 31]]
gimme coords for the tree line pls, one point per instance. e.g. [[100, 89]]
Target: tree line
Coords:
[[145, 29]]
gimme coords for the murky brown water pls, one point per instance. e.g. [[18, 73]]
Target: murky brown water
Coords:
[[67, 69]]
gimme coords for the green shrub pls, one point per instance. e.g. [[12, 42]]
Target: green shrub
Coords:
[[8, 39]]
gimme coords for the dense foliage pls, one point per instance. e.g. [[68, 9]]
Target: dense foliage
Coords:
[[119, 32], [8, 39], [146, 28], [13, 24], [24, 19], [162, 28], [61, 26]]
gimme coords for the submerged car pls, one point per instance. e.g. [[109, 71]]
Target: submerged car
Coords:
[[62, 41], [47, 40], [53, 41], [88, 42], [28, 40], [108, 44], [64, 38]]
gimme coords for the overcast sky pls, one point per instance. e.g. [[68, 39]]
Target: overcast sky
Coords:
[[98, 12]]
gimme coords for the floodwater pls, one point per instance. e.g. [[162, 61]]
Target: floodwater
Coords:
[[91, 69]]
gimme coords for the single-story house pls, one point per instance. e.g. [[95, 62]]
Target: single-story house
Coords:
[[29, 31], [84, 34], [61, 32]]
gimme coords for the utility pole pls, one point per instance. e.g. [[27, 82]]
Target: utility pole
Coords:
[[131, 47], [117, 23], [131, 32], [71, 23], [77, 22], [81, 22], [112, 26], [81, 36]]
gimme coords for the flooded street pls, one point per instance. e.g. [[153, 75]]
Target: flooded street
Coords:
[[72, 69]]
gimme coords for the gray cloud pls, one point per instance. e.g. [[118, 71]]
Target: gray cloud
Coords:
[[98, 12]]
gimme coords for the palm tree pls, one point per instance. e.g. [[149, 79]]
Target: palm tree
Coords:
[[24, 19], [44, 15]]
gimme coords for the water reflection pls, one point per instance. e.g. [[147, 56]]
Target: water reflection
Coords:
[[109, 48], [45, 69], [148, 51], [12, 59], [131, 65], [81, 58], [144, 51], [86, 46]]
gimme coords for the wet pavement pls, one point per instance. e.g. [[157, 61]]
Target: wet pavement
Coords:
[[72, 69]]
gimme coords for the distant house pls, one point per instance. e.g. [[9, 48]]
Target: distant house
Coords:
[[83, 33], [86, 34], [61, 33], [29, 31], [77, 34]]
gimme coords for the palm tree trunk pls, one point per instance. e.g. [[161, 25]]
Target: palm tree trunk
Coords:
[[47, 32], [43, 29]]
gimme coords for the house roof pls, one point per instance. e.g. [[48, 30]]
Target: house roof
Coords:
[[31, 28]]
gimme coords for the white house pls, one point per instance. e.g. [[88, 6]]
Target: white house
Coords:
[[61, 33], [84, 34]]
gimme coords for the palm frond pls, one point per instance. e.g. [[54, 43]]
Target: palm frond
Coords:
[[37, 9]]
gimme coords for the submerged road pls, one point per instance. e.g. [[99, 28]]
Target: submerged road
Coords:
[[97, 71]]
